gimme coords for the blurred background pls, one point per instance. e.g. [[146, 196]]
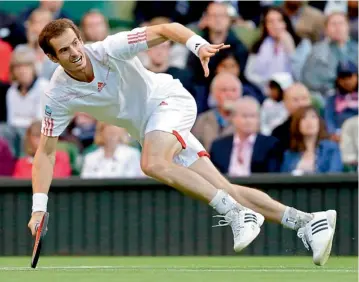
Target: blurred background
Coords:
[[288, 86]]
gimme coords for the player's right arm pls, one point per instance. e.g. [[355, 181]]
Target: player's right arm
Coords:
[[55, 119], [42, 171]]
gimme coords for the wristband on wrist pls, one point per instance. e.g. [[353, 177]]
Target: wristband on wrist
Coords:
[[195, 42], [39, 202]]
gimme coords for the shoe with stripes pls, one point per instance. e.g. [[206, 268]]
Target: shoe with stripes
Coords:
[[318, 235], [245, 224]]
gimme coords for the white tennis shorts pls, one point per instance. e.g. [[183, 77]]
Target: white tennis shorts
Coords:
[[176, 114]]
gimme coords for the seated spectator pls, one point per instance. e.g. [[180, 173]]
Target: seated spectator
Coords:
[[5, 51], [159, 62], [295, 97], [310, 150], [94, 26], [273, 111], [307, 21], [23, 97], [114, 158], [349, 143], [23, 167], [320, 70], [217, 29], [225, 89], [344, 103], [246, 152], [7, 159], [34, 25], [227, 61], [54, 7], [279, 49]]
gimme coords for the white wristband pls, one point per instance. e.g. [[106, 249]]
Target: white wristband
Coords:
[[39, 202], [195, 42]]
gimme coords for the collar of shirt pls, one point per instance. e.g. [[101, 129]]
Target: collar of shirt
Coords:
[[220, 119], [251, 139]]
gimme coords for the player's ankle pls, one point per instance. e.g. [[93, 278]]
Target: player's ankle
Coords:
[[223, 202], [295, 219]]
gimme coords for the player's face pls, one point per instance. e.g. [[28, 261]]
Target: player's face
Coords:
[[309, 125], [69, 49]]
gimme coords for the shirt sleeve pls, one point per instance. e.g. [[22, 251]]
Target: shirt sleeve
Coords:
[[55, 117], [126, 45]]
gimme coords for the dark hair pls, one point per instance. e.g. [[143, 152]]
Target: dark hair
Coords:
[[54, 29], [296, 137], [265, 34], [274, 84], [223, 55]]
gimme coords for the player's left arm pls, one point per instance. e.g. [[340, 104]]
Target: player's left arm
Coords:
[[176, 32]]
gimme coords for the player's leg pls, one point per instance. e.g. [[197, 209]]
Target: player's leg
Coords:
[[159, 150], [248, 197], [316, 230]]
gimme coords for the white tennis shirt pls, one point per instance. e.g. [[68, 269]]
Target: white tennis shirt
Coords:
[[123, 92]]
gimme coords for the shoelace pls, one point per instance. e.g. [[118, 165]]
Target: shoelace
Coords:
[[227, 220], [301, 235]]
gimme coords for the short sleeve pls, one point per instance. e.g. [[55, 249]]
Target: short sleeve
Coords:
[[126, 45], [55, 117]]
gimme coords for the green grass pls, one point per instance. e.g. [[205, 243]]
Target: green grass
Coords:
[[178, 269]]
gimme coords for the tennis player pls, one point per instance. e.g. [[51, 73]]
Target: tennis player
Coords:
[[106, 80]]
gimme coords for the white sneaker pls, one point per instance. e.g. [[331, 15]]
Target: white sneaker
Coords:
[[245, 224], [318, 235]]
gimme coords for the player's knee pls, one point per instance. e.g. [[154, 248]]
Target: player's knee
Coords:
[[153, 167]]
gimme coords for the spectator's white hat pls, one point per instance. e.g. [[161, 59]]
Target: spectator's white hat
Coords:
[[283, 79]]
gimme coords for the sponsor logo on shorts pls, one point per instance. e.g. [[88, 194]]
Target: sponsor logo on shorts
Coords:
[[48, 111]]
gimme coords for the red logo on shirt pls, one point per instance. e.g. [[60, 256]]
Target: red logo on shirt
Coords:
[[100, 86], [163, 103]]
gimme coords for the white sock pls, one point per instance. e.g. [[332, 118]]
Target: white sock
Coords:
[[295, 219], [223, 202]]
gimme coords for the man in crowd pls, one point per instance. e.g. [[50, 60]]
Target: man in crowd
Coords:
[[246, 151]]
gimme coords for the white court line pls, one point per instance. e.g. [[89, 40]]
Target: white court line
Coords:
[[181, 269]]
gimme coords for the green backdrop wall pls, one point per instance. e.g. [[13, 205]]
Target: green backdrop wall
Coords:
[[143, 217]]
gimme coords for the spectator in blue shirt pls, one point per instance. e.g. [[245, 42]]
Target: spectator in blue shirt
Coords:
[[344, 103], [310, 150]]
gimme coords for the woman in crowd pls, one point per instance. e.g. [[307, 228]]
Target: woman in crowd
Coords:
[[114, 158], [279, 49], [310, 150], [23, 167], [23, 97]]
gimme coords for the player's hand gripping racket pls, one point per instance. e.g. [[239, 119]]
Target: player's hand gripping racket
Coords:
[[41, 229]]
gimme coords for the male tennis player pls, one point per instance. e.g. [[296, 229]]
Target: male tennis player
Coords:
[[106, 80]]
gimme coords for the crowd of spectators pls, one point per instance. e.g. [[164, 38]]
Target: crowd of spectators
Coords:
[[283, 98]]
